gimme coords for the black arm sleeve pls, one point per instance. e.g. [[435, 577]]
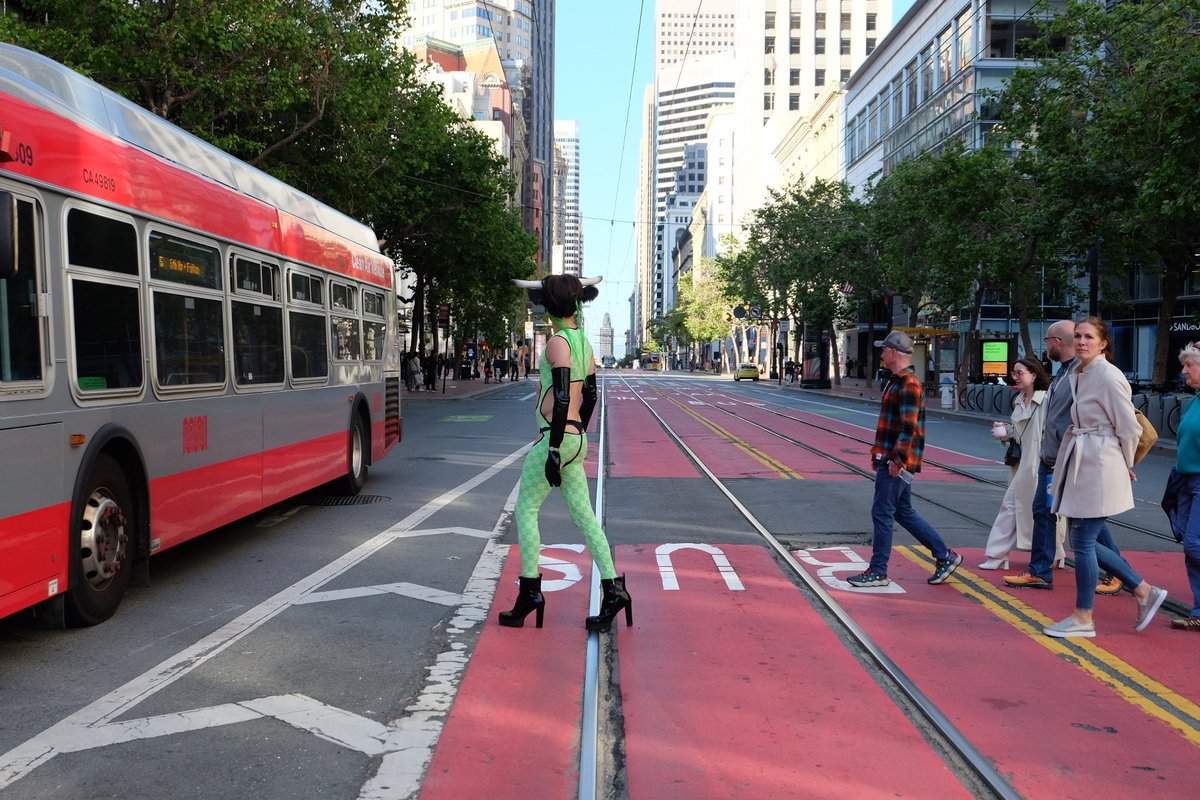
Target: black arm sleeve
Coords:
[[562, 403], [587, 402]]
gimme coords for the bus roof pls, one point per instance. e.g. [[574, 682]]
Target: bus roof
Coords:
[[60, 90]]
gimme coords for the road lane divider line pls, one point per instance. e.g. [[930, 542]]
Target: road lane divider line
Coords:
[[768, 461], [1130, 683]]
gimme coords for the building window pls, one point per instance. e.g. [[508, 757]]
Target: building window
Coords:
[[819, 46], [793, 102], [794, 77], [845, 22], [794, 45], [870, 46], [819, 78], [844, 47], [820, 21], [910, 87], [845, 75], [871, 21], [769, 44], [795, 21], [768, 101], [766, 77], [770, 20]]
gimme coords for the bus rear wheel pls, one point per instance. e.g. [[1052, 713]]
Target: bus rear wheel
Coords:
[[101, 532], [356, 469]]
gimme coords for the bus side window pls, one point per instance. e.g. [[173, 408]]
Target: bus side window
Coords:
[[9, 251], [20, 332], [106, 314]]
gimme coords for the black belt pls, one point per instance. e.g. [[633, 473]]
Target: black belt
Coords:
[[576, 423]]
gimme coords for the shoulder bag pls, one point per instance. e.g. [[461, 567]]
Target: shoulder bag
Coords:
[[1148, 438]]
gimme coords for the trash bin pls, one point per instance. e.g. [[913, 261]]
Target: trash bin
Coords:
[[947, 395]]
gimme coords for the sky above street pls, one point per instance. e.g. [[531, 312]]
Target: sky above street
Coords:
[[603, 62]]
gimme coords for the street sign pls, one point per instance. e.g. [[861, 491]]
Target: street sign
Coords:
[[739, 311]]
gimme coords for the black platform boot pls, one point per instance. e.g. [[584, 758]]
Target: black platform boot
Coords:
[[615, 598], [529, 599]]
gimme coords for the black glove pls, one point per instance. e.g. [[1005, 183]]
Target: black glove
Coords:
[[553, 466], [588, 400]]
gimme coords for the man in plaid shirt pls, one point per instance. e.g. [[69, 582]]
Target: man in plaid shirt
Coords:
[[896, 455]]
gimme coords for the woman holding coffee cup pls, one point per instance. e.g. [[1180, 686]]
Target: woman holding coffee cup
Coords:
[[1013, 526]]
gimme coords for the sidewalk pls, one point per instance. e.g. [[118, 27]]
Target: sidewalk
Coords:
[[454, 389]]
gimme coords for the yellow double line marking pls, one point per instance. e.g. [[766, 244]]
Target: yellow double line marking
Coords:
[[1130, 683], [758, 455]]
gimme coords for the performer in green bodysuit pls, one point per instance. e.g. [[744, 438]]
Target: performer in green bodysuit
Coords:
[[566, 400]]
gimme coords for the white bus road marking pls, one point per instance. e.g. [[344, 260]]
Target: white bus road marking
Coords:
[[416, 733], [850, 561]]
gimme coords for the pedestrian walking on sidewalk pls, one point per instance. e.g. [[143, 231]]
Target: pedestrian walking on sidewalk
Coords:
[[896, 456], [565, 401], [1095, 476]]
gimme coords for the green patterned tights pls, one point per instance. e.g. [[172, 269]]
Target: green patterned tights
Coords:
[[532, 494]]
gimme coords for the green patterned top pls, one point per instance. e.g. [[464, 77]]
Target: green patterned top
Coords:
[[581, 358]]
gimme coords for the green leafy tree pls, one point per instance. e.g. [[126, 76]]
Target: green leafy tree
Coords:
[[703, 306], [251, 76], [1114, 118]]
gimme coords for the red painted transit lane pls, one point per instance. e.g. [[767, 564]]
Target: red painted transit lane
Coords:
[[638, 447], [734, 687], [514, 729], [1051, 726]]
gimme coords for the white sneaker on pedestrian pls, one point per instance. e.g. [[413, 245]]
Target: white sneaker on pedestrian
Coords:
[[1148, 609], [1070, 629]]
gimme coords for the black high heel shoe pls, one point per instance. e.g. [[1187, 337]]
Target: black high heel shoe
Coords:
[[529, 598], [615, 598]]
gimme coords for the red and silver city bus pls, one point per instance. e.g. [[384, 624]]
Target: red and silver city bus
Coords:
[[184, 340]]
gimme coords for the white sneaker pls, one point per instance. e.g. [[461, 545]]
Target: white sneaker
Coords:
[[1148, 609], [1070, 629]]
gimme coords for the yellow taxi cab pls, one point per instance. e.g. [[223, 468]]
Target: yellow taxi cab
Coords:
[[746, 370]]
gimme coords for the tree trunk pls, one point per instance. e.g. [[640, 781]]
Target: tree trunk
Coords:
[[834, 358], [1022, 307], [967, 357], [418, 320], [1172, 285]]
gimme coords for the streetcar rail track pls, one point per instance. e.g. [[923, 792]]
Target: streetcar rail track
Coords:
[[956, 470]]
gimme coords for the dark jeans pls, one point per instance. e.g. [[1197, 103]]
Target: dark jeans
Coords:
[[892, 504], [1189, 517], [1041, 554]]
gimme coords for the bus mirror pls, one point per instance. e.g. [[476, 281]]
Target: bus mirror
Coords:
[[8, 235]]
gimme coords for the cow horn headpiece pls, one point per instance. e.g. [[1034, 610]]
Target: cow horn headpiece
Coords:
[[538, 284], [561, 295]]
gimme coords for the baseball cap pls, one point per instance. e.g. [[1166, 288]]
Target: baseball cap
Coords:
[[897, 340]]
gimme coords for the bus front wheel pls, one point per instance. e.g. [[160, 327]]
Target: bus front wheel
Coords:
[[101, 531], [356, 469]]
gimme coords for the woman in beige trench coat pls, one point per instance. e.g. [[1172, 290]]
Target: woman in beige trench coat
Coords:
[[1093, 477], [1013, 526]]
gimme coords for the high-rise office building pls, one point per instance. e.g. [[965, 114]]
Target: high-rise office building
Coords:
[[606, 336], [523, 31], [693, 72], [567, 226]]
